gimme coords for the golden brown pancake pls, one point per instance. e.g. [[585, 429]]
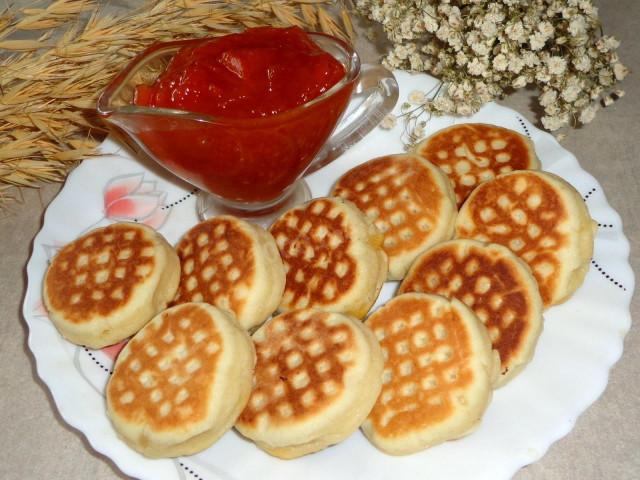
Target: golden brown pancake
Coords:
[[541, 218], [438, 373], [333, 257], [180, 383], [496, 284], [104, 286], [232, 264], [472, 153], [317, 376], [410, 201]]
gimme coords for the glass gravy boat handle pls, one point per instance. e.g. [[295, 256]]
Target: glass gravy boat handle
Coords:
[[379, 88]]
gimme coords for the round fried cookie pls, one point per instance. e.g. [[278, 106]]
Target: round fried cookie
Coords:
[[104, 286], [317, 376], [438, 373], [333, 257], [472, 153], [540, 217], [180, 383], [410, 201], [233, 264], [496, 284]]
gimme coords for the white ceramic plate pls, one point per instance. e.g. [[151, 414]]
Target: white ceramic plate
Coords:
[[582, 338]]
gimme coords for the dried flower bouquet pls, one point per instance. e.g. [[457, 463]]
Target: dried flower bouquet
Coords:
[[481, 49]]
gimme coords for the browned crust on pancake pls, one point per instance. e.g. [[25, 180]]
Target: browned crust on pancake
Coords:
[[430, 364], [410, 201], [324, 252], [216, 260], [123, 253], [317, 377], [464, 152], [333, 257], [298, 372], [140, 390], [438, 373], [182, 381]]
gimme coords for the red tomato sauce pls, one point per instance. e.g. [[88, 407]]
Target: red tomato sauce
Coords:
[[260, 72], [255, 143]]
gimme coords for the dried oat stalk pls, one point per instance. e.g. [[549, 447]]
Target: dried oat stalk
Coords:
[[49, 84]]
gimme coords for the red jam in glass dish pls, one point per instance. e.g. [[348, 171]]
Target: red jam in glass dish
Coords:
[[261, 72], [260, 107]]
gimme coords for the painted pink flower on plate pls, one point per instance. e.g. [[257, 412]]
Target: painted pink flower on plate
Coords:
[[39, 309], [128, 198], [112, 351]]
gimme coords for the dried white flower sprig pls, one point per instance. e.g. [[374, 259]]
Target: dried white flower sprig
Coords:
[[483, 48], [415, 112]]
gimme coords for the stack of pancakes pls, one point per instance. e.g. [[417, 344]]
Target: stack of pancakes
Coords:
[[481, 240], [494, 283], [542, 219]]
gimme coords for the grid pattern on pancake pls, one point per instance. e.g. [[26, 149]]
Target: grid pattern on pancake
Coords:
[[164, 380], [301, 366], [400, 195], [427, 352], [314, 244], [98, 273], [217, 265], [487, 281], [474, 153], [521, 211]]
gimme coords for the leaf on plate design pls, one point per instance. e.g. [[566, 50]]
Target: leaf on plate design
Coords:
[[51, 250]]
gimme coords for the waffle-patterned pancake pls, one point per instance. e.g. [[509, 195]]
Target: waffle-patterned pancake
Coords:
[[332, 255], [232, 264], [438, 373], [540, 217], [410, 201], [317, 376], [496, 284], [180, 383], [104, 286], [473, 153]]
